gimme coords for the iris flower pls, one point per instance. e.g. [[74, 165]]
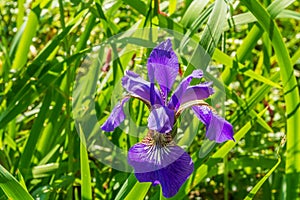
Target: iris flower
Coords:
[[157, 158]]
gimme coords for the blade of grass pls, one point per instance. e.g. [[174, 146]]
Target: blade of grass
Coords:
[[86, 187], [291, 14], [51, 132], [172, 6], [138, 191], [256, 188], [11, 187], [46, 170], [26, 40], [37, 127], [140, 6], [28, 90], [20, 15], [248, 17], [129, 183], [210, 37], [195, 26], [192, 13], [214, 28], [28, 34]]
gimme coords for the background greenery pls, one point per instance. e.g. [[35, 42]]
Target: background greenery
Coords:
[[254, 44]]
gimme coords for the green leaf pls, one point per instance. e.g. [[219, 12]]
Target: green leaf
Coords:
[[86, 182], [193, 11], [138, 191], [289, 14], [262, 181], [46, 170], [140, 6], [11, 187], [126, 188], [28, 34], [34, 135], [172, 6], [25, 42], [214, 27]]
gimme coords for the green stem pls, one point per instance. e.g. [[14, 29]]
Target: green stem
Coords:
[[226, 186]]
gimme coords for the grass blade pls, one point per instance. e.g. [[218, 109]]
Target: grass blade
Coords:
[[192, 13], [34, 135], [262, 181], [138, 191], [86, 187], [12, 187], [172, 6]]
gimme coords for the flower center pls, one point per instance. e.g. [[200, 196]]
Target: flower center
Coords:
[[158, 139]]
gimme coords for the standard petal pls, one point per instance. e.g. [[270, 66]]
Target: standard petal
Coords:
[[116, 117], [163, 66], [169, 166], [181, 89], [140, 88], [161, 119], [197, 92], [217, 128]]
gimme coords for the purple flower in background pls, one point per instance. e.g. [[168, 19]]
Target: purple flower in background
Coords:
[[157, 158]]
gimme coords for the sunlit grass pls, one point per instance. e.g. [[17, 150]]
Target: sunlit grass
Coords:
[[254, 45]]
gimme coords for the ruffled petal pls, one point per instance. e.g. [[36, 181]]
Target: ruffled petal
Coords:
[[116, 117], [161, 119], [197, 92], [169, 166], [217, 128], [181, 89], [163, 66], [140, 88]]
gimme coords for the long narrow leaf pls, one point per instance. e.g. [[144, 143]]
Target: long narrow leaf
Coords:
[[86, 187], [12, 187]]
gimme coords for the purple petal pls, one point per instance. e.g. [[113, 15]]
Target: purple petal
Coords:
[[169, 166], [161, 119], [163, 66], [181, 89], [116, 117], [217, 128], [140, 88], [197, 92]]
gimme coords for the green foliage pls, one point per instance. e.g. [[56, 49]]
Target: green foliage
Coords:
[[254, 46], [11, 187]]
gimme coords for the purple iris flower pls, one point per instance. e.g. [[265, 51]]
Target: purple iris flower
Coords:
[[157, 158]]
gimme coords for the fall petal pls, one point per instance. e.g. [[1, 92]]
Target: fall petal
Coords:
[[169, 166]]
